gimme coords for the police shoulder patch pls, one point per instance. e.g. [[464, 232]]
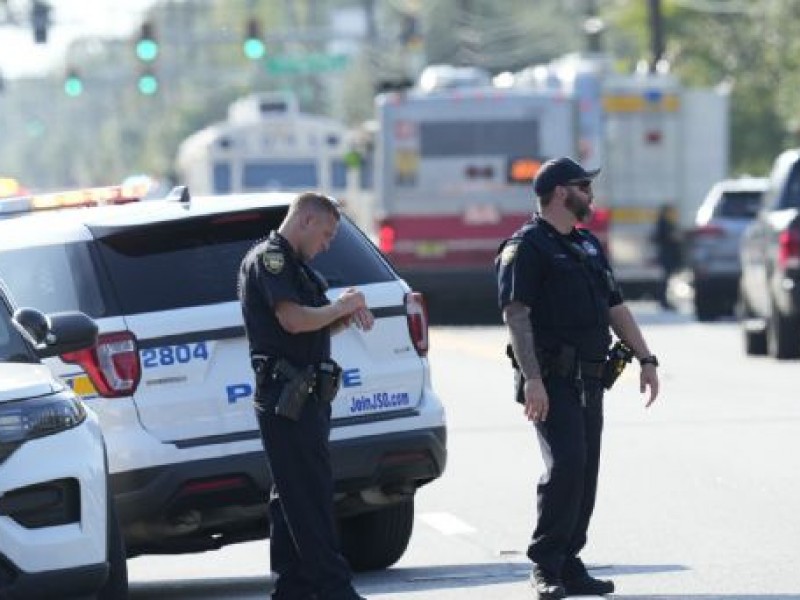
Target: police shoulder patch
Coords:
[[273, 261], [509, 252]]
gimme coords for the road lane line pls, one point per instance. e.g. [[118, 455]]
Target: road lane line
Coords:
[[446, 524]]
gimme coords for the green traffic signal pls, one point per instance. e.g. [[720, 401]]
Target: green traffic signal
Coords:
[[148, 84], [146, 50], [254, 49], [253, 45], [146, 44], [73, 86]]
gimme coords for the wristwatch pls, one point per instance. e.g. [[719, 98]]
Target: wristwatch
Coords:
[[649, 360]]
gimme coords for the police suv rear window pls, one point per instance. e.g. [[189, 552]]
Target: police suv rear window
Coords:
[[194, 262]]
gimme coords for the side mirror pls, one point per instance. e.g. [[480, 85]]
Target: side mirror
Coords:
[[56, 333], [33, 323]]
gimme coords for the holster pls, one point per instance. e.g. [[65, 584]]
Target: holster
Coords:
[[563, 362], [298, 384], [618, 357], [329, 379], [296, 390]]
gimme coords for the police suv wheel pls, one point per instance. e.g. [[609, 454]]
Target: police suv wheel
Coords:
[[116, 586], [782, 342], [377, 539]]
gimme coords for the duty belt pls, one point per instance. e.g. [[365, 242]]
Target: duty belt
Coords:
[[323, 377], [274, 364], [565, 363]]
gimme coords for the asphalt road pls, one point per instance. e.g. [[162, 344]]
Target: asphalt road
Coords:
[[698, 494]]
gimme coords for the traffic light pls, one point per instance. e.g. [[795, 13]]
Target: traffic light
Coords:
[[147, 83], [40, 20], [253, 45], [147, 44], [73, 84]]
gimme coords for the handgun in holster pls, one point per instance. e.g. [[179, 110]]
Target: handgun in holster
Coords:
[[618, 357], [298, 385]]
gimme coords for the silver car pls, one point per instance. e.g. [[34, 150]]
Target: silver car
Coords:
[[713, 250]]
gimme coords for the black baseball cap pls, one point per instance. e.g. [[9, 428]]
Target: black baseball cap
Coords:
[[560, 171]]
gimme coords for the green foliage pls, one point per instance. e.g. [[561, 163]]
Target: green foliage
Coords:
[[111, 130], [751, 47]]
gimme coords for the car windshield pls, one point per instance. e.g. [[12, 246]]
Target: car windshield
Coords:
[[739, 205], [12, 345]]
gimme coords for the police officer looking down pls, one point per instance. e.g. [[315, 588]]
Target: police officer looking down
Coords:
[[559, 298], [289, 322]]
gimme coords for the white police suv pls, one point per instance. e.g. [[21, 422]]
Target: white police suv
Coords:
[[58, 531], [170, 376]]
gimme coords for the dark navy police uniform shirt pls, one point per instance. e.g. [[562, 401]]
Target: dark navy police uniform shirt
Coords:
[[567, 283], [272, 272]]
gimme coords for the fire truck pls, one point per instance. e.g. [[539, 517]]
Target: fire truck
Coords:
[[657, 141], [454, 160]]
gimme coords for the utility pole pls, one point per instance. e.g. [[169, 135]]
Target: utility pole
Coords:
[[372, 22], [593, 27], [656, 33]]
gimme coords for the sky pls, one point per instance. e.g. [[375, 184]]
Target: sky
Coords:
[[21, 57]]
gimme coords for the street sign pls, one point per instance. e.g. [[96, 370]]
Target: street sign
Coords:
[[302, 64]]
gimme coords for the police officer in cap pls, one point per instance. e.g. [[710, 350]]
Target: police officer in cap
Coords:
[[289, 322], [559, 301]]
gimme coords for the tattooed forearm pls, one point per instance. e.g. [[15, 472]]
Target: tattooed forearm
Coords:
[[516, 318]]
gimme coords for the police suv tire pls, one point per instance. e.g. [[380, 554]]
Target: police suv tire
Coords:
[[377, 539], [755, 338], [116, 586], [755, 342], [782, 335]]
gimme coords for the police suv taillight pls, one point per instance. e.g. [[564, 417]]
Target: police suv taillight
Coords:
[[112, 364], [417, 316]]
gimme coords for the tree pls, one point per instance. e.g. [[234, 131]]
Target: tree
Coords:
[[749, 46]]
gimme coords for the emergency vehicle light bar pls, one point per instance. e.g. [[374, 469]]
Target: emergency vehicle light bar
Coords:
[[98, 196]]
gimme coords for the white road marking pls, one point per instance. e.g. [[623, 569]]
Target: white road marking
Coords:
[[446, 524]]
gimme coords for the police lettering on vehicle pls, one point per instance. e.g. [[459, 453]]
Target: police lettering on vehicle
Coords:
[[237, 392]]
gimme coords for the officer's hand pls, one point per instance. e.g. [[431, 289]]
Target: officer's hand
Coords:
[[536, 401], [351, 301], [648, 378], [354, 308], [363, 319]]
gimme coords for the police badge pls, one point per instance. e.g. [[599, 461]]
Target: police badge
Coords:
[[509, 252], [273, 261]]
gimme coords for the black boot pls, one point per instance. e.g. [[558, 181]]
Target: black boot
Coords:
[[588, 586], [578, 582], [547, 585]]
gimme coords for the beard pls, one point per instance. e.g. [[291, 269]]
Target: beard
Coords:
[[578, 206]]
